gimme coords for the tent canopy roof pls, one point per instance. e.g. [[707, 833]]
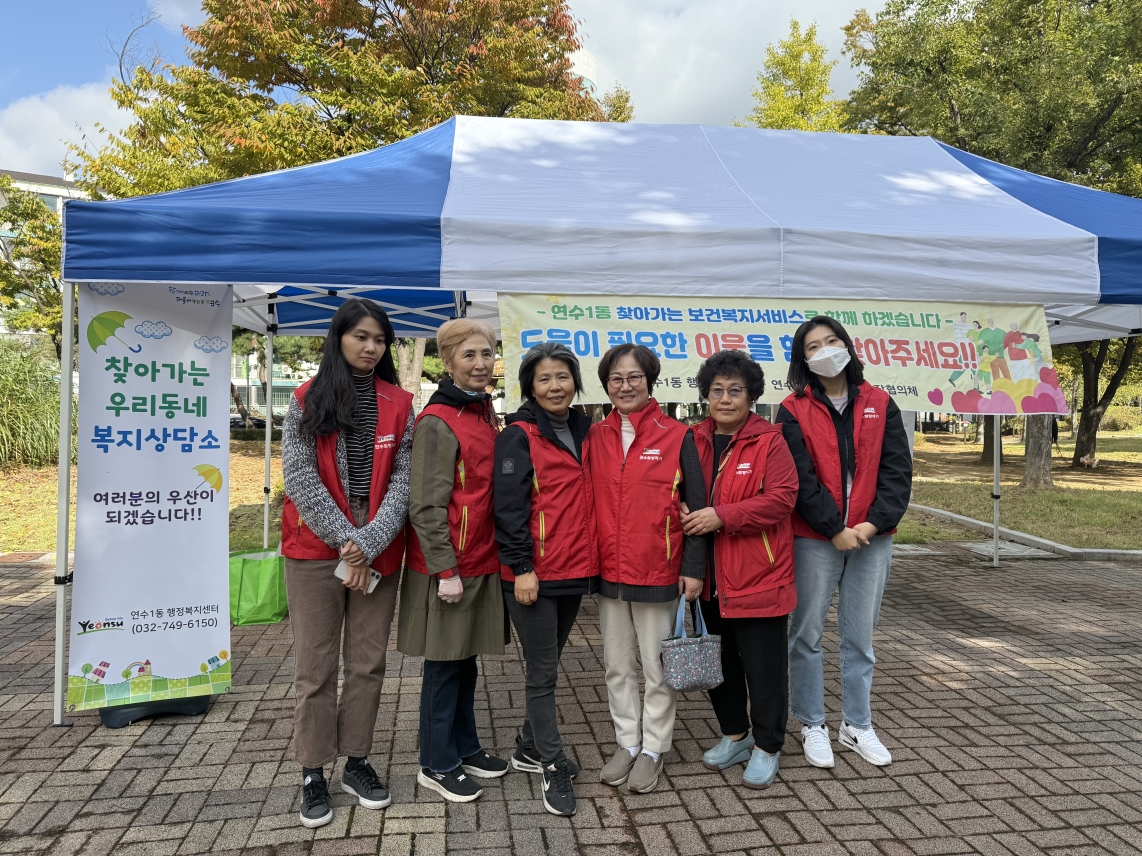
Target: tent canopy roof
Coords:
[[530, 206]]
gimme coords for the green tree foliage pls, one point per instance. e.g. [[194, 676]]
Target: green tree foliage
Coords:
[[617, 105], [1049, 86], [794, 88], [31, 243], [281, 83]]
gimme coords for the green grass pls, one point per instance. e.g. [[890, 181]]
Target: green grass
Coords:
[[916, 528], [1079, 517], [29, 404], [246, 526]]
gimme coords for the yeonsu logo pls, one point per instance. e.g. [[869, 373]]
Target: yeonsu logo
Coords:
[[651, 454], [385, 441], [89, 627]]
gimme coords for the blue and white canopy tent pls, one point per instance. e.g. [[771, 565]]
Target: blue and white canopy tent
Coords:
[[433, 226]]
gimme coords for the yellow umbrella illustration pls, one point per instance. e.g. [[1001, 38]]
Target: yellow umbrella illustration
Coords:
[[211, 475], [103, 327]]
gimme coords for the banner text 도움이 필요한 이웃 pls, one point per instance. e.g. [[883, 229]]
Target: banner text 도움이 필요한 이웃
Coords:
[[150, 613], [946, 357]]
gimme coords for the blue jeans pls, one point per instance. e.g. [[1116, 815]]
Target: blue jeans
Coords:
[[447, 714], [860, 575]]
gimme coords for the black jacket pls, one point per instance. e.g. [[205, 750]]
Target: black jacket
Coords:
[[893, 480], [512, 487]]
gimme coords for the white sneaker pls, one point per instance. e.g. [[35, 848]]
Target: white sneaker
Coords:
[[865, 742], [815, 743]]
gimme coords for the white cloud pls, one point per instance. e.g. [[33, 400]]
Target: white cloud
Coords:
[[686, 61], [34, 130], [174, 13]]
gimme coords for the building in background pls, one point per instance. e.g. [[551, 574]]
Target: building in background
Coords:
[[53, 190], [583, 67], [244, 377]]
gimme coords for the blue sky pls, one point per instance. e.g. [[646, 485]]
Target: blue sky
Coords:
[[683, 60]]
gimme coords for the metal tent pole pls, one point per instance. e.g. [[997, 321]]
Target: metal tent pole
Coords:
[[997, 455], [270, 328], [460, 304], [63, 501]]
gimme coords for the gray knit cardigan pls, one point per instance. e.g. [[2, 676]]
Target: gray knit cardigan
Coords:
[[317, 507]]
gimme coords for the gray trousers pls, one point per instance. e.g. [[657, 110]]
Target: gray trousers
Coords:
[[543, 628], [332, 623]]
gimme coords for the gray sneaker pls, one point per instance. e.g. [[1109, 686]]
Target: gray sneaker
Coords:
[[616, 771], [644, 776]]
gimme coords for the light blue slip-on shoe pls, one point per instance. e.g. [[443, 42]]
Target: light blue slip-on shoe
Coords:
[[762, 769], [727, 753]]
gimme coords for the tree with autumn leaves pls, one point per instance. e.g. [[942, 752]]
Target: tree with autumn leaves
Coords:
[[281, 83]]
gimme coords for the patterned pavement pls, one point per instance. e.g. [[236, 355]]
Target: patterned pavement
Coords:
[[1011, 700]]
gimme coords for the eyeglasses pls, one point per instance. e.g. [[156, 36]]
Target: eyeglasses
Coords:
[[616, 382], [732, 392]]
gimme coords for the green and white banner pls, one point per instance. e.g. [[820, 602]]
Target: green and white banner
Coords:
[[150, 602]]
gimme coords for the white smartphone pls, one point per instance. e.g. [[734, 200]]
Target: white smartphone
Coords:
[[342, 572]]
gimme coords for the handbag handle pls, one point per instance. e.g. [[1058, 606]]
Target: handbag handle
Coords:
[[680, 620]]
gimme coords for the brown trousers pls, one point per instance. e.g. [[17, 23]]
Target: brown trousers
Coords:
[[329, 621]]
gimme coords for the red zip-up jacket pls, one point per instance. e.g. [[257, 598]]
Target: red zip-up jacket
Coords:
[[754, 491]]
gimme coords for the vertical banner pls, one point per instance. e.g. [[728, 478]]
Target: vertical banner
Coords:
[[150, 603], [948, 357]]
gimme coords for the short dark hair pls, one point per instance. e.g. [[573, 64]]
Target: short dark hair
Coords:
[[643, 356], [731, 364], [547, 351], [800, 376]]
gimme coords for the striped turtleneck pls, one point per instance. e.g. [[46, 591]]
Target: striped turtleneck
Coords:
[[359, 444]]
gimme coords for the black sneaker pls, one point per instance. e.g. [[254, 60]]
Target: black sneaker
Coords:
[[367, 786], [558, 793], [480, 764], [526, 758], [455, 785], [316, 807]]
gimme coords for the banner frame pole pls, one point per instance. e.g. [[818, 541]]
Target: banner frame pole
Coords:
[[269, 425], [997, 459], [63, 502]]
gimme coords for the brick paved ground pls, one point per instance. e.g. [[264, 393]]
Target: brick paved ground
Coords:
[[1011, 700]]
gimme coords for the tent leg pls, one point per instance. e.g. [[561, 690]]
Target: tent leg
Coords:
[[269, 432], [63, 503], [460, 304], [997, 458]]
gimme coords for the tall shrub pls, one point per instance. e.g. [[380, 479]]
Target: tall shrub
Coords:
[[29, 404]]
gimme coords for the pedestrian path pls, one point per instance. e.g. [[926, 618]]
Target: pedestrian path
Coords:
[[1011, 700]]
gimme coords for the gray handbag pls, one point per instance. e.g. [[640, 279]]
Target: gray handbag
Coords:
[[692, 663]]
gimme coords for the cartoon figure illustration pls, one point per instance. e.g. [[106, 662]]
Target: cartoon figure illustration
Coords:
[[1018, 363], [983, 374], [103, 327], [961, 332], [993, 338]]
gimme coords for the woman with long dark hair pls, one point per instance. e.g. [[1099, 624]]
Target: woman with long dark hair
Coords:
[[346, 455], [452, 607], [854, 471], [545, 526]]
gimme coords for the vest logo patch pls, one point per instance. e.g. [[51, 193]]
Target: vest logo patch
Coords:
[[649, 454], [871, 414], [745, 468], [508, 466], [385, 441]]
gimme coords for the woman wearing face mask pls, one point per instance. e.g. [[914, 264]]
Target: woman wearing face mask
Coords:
[[345, 457], [749, 590], [545, 526], [643, 466], [855, 474], [451, 606]]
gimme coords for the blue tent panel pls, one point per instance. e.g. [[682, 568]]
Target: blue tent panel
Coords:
[[1115, 219], [413, 312], [367, 219]]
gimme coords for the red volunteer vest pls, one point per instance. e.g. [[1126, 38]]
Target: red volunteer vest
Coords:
[[637, 504], [298, 540], [562, 524], [870, 412], [471, 517], [749, 566]]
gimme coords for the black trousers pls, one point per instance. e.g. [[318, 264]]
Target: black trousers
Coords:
[[755, 666], [543, 629]]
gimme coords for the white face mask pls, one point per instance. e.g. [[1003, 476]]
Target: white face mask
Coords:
[[829, 362]]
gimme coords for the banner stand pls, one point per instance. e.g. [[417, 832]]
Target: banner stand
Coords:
[[997, 458], [118, 716]]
